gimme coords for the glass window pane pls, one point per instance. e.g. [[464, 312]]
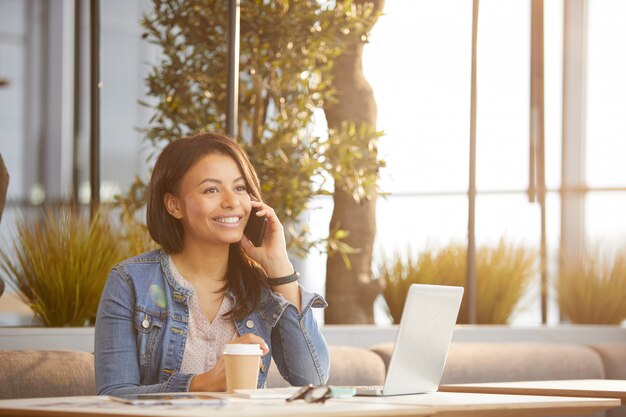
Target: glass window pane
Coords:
[[604, 219], [503, 95], [553, 239], [508, 216], [606, 94], [553, 89], [512, 218], [414, 222], [403, 223], [123, 154], [420, 79]]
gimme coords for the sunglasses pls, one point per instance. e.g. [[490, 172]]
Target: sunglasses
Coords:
[[319, 394], [312, 394]]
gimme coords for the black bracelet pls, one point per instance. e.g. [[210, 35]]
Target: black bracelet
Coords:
[[273, 282]]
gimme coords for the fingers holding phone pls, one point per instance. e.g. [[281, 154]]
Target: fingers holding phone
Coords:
[[255, 228], [264, 240]]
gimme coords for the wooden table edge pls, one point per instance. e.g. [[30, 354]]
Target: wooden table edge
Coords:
[[620, 395]]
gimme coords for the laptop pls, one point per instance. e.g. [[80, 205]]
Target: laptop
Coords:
[[422, 342]]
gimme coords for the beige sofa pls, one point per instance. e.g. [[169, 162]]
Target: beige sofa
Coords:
[[32, 373], [39, 373], [46, 373], [495, 362]]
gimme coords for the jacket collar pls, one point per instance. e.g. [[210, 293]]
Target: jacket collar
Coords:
[[179, 292]]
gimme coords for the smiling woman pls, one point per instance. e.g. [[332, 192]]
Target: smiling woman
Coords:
[[213, 201], [192, 174], [165, 316]]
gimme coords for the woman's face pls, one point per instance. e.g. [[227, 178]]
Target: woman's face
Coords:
[[213, 203]]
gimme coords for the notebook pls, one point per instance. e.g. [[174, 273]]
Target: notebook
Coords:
[[422, 342]]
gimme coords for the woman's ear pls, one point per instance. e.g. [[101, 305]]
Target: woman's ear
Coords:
[[172, 205]]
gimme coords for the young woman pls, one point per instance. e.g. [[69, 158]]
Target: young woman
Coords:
[[165, 316]]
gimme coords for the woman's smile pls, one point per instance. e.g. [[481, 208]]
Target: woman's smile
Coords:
[[228, 221]]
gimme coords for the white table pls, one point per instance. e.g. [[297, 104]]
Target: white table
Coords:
[[458, 404], [439, 404]]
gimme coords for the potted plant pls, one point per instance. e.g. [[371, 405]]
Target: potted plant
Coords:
[[58, 264], [504, 273], [591, 289]]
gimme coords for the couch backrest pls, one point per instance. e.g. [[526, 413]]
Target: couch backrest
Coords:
[[494, 362], [40, 373], [614, 358], [348, 366], [497, 362]]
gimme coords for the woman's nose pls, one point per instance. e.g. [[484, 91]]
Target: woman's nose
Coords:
[[230, 200]]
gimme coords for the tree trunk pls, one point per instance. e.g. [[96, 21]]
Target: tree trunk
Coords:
[[351, 291]]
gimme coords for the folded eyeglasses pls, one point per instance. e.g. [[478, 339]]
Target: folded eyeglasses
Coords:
[[312, 394], [319, 394]]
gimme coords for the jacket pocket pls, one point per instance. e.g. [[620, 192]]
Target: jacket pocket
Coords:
[[148, 327]]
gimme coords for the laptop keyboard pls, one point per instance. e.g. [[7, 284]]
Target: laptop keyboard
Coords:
[[366, 389]]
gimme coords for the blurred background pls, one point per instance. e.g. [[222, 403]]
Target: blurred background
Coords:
[[418, 62]]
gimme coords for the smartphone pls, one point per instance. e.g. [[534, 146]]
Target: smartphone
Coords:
[[255, 229]]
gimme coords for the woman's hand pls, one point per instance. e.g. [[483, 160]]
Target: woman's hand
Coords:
[[215, 379], [212, 381], [272, 254], [251, 339]]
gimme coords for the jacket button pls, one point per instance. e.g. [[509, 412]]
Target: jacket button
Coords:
[[249, 324], [145, 323]]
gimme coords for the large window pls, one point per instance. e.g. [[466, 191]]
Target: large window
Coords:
[[422, 90]]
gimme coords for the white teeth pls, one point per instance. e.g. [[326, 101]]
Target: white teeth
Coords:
[[231, 220]]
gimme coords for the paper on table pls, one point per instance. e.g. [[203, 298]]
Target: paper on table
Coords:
[[177, 398], [267, 393]]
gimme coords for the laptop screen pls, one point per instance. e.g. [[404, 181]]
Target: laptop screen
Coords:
[[423, 339]]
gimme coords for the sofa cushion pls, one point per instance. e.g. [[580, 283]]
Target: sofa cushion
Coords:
[[613, 356], [496, 362], [348, 366], [39, 373]]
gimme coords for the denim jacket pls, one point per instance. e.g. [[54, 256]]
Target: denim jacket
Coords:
[[142, 323]]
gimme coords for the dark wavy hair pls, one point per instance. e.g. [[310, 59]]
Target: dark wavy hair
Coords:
[[244, 277]]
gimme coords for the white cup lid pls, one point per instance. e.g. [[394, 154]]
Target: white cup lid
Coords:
[[242, 349]]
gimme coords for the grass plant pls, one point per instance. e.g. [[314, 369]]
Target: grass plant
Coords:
[[135, 235], [504, 273], [593, 289], [58, 265], [444, 267]]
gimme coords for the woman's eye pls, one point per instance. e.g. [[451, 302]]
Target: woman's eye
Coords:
[[210, 190], [241, 188]]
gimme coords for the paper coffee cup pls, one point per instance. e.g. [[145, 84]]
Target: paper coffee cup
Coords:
[[242, 363]]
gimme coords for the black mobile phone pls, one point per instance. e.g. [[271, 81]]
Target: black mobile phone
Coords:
[[255, 229]]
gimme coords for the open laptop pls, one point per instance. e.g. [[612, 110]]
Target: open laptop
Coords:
[[422, 342]]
